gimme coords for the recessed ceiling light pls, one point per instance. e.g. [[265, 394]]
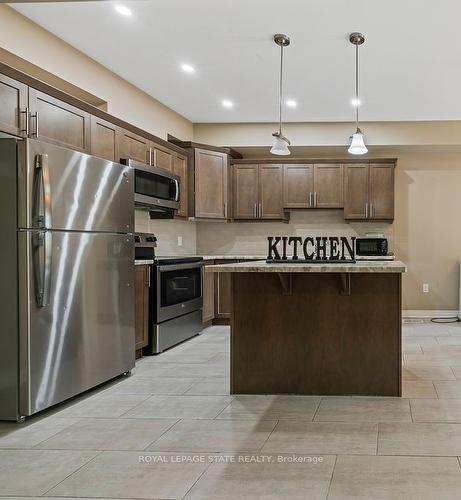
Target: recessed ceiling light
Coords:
[[187, 68], [356, 102], [226, 103], [124, 11], [291, 103]]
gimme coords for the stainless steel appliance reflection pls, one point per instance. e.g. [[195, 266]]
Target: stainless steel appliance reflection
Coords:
[[67, 288]]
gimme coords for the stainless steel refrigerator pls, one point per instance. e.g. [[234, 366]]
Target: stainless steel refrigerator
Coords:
[[66, 274]]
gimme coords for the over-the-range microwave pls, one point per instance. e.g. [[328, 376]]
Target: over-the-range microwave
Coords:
[[155, 189]]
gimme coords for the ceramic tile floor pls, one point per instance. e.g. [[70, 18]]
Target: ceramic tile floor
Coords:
[[172, 431]]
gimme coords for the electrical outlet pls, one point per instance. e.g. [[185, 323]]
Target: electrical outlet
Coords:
[[425, 287], [179, 241]]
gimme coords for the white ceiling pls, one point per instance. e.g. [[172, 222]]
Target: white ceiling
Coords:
[[410, 63]]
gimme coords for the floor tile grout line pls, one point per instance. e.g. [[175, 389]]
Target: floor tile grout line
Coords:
[[317, 409], [198, 479], [270, 434], [377, 438], [331, 478], [72, 473]]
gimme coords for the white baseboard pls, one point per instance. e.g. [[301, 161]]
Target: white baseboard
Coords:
[[428, 313]]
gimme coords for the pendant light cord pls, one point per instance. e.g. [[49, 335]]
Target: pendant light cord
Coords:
[[356, 86], [280, 89]]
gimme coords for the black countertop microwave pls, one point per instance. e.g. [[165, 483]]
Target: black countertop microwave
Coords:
[[371, 247]]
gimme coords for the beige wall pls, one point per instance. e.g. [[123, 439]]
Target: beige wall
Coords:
[[29, 41]]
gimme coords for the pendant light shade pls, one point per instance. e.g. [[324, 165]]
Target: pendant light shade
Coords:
[[357, 146], [281, 143]]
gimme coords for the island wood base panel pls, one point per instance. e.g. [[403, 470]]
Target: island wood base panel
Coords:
[[312, 337]]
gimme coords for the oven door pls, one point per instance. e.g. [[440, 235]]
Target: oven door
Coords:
[[179, 290], [156, 187]]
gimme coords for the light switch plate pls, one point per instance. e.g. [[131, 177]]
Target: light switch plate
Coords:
[[179, 241]]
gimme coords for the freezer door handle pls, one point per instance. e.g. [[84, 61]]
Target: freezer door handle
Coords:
[[42, 252], [42, 193]]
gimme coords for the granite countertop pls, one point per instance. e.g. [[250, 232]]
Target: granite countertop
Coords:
[[232, 257], [143, 262], [261, 266]]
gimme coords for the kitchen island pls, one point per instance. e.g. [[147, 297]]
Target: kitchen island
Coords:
[[315, 328]]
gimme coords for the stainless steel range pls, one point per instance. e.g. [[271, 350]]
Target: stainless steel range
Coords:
[[176, 298]]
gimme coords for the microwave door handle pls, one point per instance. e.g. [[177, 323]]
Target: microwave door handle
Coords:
[[176, 198], [42, 193], [42, 252]]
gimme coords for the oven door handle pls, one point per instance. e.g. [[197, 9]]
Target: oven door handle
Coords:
[[177, 267]]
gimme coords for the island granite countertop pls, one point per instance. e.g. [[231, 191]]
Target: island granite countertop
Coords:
[[262, 266]]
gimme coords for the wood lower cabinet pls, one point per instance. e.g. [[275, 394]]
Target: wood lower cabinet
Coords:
[[57, 122], [141, 286], [258, 192], [246, 193], [298, 186], [180, 169], [210, 184], [222, 304], [105, 139], [135, 147], [13, 106], [208, 312], [369, 191]]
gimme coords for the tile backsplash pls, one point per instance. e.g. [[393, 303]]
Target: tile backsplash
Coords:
[[251, 238], [168, 231]]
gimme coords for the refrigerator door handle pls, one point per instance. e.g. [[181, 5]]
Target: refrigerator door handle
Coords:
[[42, 193], [42, 264]]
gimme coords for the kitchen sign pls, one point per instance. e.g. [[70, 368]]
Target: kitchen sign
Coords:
[[318, 249]]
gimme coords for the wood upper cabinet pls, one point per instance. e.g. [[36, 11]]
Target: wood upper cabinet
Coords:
[[328, 185], [57, 122], [271, 192], [313, 186], [208, 295], [258, 191], [13, 104], [369, 191], [381, 191], [210, 170], [134, 147], [180, 169], [105, 139], [141, 286], [356, 182], [246, 194], [162, 158], [298, 186]]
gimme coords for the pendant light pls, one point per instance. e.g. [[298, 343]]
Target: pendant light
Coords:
[[357, 146], [281, 143]]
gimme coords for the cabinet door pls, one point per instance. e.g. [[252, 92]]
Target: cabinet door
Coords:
[[245, 191], [328, 186], [134, 147], [141, 286], [381, 191], [163, 158], [180, 169], [208, 295], [223, 292], [57, 122], [13, 103], [210, 184], [105, 139], [271, 192], [356, 191], [298, 186]]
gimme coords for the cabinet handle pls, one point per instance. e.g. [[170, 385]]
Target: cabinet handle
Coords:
[[366, 210], [315, 198], [260, 211], [35, 117], [254, 211], [371, 210], [310, 199], [148, 278], [149, 156], [225, 209], [25, 112]]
